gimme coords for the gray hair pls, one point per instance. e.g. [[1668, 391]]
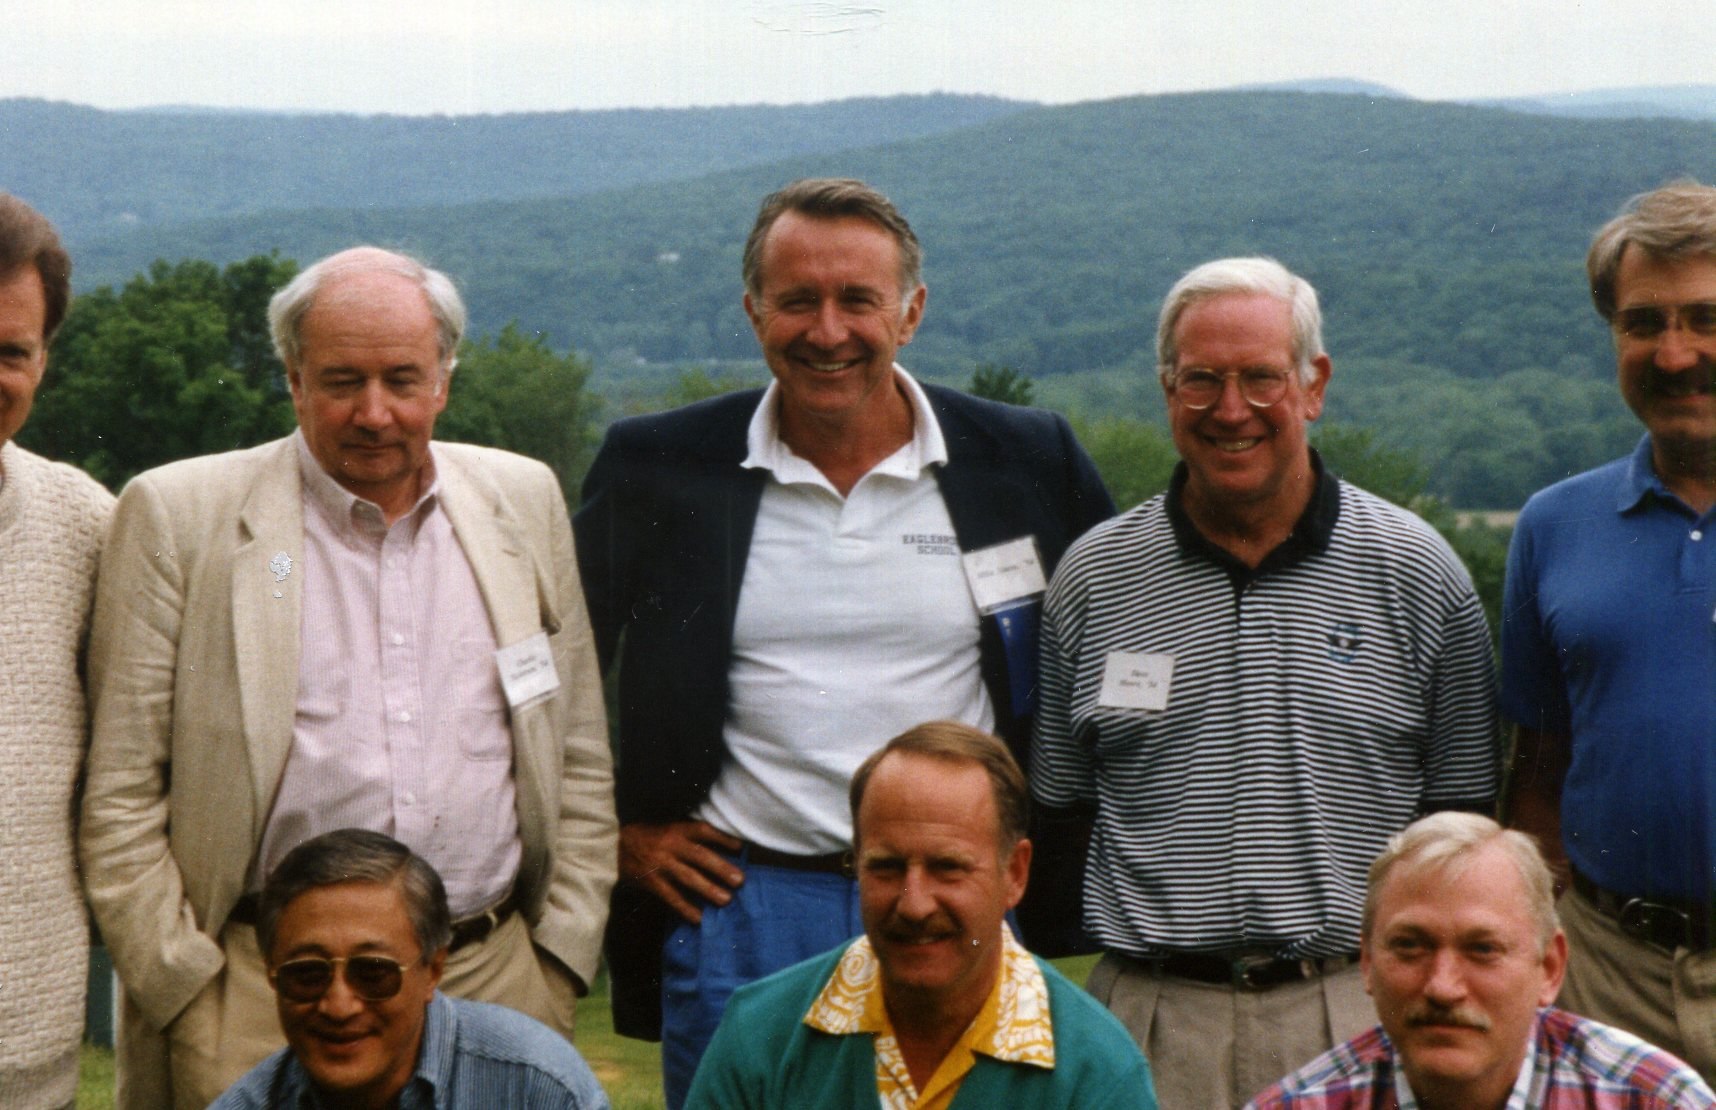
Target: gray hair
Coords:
[[1447, 842], [831, 198], [1677, 221], [954, 742], [287, 307], [1242, 275], [358, 856]]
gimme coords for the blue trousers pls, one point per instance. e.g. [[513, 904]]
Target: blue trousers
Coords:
[[776, 919]]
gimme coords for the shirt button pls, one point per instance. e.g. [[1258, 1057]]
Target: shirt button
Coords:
[[410, 799], [392, 561], [1697, 535], [398, 639], [404, 717]]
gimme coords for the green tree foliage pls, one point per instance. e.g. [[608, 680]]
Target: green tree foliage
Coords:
[[1000, 383], [1134, 457], [697, 384], [176, 363], [1393, 475], [179, 363], [1400, 476], [1445, 241], [514, 391]]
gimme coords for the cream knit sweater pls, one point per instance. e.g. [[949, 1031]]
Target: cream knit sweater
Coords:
[[52, 518]]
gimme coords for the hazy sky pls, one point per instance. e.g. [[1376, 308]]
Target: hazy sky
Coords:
[[465, 56]]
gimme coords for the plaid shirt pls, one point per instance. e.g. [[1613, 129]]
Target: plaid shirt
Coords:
[[1574, 1064]]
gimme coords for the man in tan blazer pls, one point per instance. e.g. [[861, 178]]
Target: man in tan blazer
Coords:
[[349, 626]]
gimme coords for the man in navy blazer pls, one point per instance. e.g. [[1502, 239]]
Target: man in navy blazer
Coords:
[[789, 577]]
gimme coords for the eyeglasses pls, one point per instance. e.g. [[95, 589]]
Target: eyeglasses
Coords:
[[1199, 389], [307, 979], [1647, 321]]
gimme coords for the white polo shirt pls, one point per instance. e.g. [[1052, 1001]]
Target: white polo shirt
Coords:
[[854, 623]]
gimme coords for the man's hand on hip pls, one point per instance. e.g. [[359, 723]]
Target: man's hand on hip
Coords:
[[680, 859]]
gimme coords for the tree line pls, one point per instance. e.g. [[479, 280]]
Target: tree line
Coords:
[[178, 362]]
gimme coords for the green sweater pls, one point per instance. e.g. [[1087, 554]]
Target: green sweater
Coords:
[[764, 1057]]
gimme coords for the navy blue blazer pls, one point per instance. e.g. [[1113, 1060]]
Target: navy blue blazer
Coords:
[[663, 533]]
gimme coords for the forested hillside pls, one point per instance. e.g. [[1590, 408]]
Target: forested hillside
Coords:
[[1447, 242], [1439, 235], [98, 172]]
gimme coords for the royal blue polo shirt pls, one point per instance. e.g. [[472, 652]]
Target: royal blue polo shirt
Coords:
[[1609, 636]]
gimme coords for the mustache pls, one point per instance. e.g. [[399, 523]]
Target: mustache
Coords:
[[907, 932], [1440, 1015], [1697, 378]]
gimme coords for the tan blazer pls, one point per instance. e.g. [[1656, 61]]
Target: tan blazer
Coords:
[[193, 686]]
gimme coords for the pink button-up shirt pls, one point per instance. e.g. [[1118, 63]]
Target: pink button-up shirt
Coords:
[[402, 726]]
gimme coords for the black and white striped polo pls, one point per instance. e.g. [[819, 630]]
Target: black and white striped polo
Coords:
[[1315, 706]]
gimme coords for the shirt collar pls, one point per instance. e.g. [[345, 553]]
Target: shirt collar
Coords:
[[341, 507], [1517, 1099], [1641, 480], [1310, 535], [767, 451], [1014, 1025], [436, 1052]]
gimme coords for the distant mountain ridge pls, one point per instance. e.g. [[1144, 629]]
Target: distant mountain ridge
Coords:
[[1696, 102], [98, 172], [1439, 235], [1446, 242]]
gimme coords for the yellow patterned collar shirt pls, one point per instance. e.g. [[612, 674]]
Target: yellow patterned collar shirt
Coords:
[[1013, 1025]]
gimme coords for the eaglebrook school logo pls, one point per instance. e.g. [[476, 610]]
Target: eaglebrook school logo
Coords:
[[1343, 641], [931, 543]]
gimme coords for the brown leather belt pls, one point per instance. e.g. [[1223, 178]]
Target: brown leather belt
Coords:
[[1247, 972], [466, 930], [1665, 922], [829, 863], [469, 930]]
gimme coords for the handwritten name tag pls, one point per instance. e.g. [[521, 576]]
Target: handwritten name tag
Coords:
[[1004, 573], [527, 671], [1136, 680]]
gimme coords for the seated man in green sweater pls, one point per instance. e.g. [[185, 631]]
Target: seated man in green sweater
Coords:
[[937, 1005]]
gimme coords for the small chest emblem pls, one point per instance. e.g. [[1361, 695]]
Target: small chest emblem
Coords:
[[1344, 642]]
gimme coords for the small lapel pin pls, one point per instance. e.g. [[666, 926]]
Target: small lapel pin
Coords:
[[281, 565]]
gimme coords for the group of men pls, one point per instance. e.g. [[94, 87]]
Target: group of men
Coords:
[[1230, 700]]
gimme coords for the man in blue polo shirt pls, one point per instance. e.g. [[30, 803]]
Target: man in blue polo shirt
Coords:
[[1609, 648]]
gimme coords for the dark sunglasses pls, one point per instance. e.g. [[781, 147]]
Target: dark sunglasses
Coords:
[[1650, 320], [308, 978]]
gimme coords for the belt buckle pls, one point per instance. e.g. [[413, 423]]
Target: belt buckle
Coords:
[[1648, 921], [1248, 970]]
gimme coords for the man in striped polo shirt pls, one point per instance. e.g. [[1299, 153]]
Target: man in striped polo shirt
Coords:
[[1252, 681]]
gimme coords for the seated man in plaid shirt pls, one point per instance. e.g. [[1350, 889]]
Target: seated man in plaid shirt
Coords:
[[1463, 953]]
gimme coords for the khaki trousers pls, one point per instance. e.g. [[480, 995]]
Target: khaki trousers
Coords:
[[1212, 1046], [231, 1025], [1668, 998]]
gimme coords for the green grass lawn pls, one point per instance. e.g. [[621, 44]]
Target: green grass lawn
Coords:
[[629, 1070]]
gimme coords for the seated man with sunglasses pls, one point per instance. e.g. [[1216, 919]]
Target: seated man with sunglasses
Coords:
[[1252, 681], [1609, 649], [354, 928]]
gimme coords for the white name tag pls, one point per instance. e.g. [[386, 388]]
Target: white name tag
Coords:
[[1004, 573], [527, 671], [1136, 680]]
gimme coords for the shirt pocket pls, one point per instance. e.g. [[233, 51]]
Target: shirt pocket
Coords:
[[475, 708]]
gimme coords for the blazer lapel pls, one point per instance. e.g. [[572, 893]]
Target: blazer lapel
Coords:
[[267, 602], [490, 535]]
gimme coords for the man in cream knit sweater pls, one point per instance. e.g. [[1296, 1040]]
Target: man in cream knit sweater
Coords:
[[51, 522]]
